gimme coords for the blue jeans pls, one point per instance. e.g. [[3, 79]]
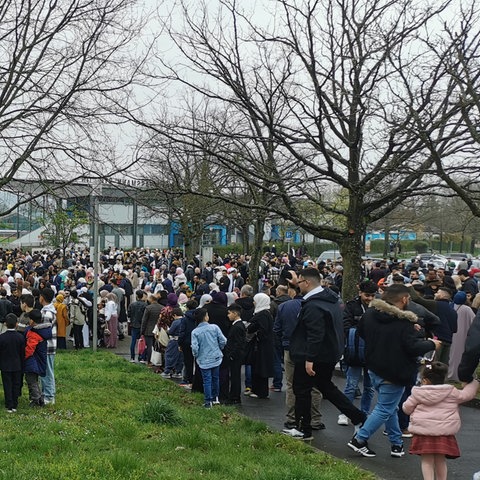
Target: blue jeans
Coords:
[[385, 411], [211, 383], [48, 381], [277, 367], [248, 376], [135, 336], [354, 375]]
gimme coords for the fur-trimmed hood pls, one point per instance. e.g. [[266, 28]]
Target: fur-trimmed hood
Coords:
[[392, 310]]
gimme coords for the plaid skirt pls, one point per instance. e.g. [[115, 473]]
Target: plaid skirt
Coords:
[[444, 445]]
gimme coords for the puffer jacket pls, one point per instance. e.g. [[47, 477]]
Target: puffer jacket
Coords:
[[36, 338], [391, 342], [433, 409]]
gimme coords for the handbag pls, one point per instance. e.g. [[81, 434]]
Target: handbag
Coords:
[[156, 358], [163, 338], [161, 335], [141, 345], [107, 331]]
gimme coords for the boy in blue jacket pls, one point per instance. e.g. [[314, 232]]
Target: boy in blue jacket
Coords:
[[207, 344], [36, 336]]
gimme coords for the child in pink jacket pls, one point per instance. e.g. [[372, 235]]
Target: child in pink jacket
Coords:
[[435, 419]]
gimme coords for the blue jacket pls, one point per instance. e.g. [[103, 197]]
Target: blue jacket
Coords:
[[186, 328], [36, 348], [286, 320], [207, 344]]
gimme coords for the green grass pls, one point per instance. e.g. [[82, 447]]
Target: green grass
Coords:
[[114, 420]]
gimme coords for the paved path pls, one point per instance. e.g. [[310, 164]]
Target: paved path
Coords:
[[334, 438]]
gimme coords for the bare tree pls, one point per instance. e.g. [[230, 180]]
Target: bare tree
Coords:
[[351, 97], [65, 67]]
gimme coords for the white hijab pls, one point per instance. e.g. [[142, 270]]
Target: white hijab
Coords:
[[204, 299], [262, 302]]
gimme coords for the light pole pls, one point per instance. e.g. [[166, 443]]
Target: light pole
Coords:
[[96, 269]]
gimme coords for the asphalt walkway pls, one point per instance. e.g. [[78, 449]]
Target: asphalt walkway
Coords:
[[335, 437]]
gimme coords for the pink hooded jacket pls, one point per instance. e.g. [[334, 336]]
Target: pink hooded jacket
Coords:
[[433, 409]]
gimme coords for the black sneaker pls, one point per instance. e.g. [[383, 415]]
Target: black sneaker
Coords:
[[361, 447], [397, 451], [320, 426]]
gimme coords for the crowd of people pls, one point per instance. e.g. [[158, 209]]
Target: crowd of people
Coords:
[[406, 336]]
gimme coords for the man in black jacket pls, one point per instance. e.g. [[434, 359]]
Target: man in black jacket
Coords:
[[392, 347], [316, 345]]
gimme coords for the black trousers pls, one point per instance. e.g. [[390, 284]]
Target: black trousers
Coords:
[[259, 385], [235, 368], [188, 362], [302, 388], [78, 336], [12, 388]]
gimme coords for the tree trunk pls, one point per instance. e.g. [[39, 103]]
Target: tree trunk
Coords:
[[352, 247], [259, 231], [245, 239]]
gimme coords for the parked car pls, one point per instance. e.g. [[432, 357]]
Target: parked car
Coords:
[[435, 259], [458, 257], [333, 255]]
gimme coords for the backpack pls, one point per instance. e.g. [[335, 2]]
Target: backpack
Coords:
[[76, 314], [354, 354]]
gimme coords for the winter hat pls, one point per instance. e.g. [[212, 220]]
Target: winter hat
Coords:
[[460, 298], [172, 300], [219, 298]]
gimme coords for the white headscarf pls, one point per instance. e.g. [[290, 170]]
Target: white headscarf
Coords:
[[204, 299], [262, 302], [231, 297]]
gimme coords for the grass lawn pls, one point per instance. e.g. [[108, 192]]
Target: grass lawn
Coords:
[[104, 427]]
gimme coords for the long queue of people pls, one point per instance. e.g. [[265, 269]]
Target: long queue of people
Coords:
[[405, 335]]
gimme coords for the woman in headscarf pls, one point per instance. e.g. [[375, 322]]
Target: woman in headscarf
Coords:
[[261, 327], [204, 299], [465, 317], [111, 321], [179, 279]]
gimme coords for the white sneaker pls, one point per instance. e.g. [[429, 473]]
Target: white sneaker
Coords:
[[342, 419], [292, 432]]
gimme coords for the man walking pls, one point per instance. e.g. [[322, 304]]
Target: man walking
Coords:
[[391, 349], [316, 345]]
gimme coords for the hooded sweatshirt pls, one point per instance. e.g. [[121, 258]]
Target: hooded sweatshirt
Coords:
[[433, 409]]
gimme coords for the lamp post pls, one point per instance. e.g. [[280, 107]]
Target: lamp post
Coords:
[[96, 269]]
